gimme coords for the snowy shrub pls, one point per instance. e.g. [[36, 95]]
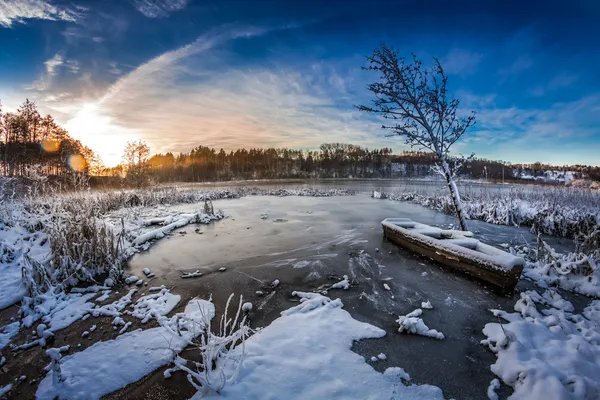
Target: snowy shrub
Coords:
[[553, 211], [577, 272], [83, 247], [216, 351]]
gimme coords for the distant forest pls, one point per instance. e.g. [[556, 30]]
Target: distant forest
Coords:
[[331, 160], [33, 144]]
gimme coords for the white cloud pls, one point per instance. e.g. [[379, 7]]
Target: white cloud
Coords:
[[461, 62], [52, 66], [17, 11], [175, 102], [159, 8]]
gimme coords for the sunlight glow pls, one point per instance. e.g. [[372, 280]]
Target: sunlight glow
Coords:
[[76, 162], [99, 132]]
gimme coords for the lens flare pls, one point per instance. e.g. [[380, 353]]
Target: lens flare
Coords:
[[50, 145], [76, 162]]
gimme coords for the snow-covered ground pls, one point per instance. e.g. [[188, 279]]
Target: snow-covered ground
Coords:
[[547, 353]]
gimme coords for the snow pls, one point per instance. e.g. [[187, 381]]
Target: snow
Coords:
[[306, 354], [491, 392], [343, 284], [426, 305], [5, 389], [573, 272], [148, 273], [247, 307], [411, 323], [275, 283], [552, 353], [11, 286], [381, 356], [454, 242], [155, 305], [173, 222], [126, 359], [7, 332], [131, 279], [72, 308], [194, 274], [386, 286]]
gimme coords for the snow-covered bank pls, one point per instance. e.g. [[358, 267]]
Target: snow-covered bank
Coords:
[[548, 354], [126, 359], [305, 354], [100, 230]]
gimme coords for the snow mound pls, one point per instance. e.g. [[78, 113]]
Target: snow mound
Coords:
[[552, 354], [411, 323], [155, 305], [343, 284], [306, 354]]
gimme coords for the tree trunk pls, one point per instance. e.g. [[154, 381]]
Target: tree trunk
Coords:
[[454, 194]]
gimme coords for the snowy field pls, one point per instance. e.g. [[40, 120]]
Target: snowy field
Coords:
[[310, 268]]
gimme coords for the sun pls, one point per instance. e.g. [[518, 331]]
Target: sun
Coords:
[[97, 130]]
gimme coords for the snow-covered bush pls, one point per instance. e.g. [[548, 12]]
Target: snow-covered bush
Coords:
[[554, 211], [577, 272], [216, 351]]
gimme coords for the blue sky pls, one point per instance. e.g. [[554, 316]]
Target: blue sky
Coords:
[[243, 73]]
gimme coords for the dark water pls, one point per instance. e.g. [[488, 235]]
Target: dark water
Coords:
[[305, 241]]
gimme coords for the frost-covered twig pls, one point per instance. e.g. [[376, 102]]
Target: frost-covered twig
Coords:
[[219, 362]]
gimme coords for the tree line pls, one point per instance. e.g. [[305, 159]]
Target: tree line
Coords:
[[331, 160], [32, 144]]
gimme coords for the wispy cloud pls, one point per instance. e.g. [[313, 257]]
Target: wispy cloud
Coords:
[[517, 127], [560, 81], [18, 11], [461, 62], [159, 8], [52, 66], [520, 64], [177, 101]]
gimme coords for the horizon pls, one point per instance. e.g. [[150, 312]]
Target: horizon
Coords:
[[231, 74]]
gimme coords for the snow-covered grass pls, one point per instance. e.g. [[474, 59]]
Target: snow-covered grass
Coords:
[[217, 350], [566, 212], [552, 353]]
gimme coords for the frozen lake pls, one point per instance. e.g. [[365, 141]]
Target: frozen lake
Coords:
[[368, 185], [305, 241]]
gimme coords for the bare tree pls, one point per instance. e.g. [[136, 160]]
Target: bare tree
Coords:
[[415, 99], [135, 158]]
